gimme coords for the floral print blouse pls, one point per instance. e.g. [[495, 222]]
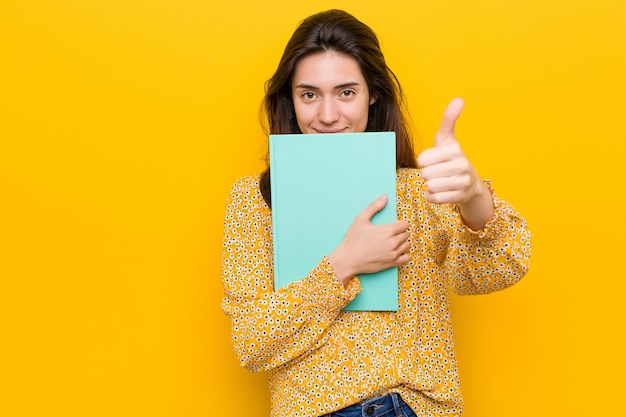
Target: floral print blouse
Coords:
[[319, 358]]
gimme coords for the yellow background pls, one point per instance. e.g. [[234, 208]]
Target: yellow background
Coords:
[[123, 124]]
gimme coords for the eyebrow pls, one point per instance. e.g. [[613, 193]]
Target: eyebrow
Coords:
[[312, 87]]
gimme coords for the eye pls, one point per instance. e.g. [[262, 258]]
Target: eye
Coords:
[[347, 93], [309, 95]]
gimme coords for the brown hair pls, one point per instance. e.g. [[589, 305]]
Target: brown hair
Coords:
[[338, 31]]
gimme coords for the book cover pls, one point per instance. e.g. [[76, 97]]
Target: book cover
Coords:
[[320, 182]]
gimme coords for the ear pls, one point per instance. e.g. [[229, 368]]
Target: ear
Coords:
[[373, 100]]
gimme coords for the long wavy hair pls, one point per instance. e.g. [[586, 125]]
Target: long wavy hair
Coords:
[[338, 31]]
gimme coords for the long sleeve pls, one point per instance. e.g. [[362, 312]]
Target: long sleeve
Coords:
[[271, 327], [321, 358], [488, 260]]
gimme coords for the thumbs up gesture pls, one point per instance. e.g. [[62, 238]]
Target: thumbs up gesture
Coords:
[[449, 176]]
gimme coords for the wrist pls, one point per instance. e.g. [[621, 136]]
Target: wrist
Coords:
[[478, 210], [342, 270]]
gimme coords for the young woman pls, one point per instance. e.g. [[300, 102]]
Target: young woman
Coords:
[[451, 231]]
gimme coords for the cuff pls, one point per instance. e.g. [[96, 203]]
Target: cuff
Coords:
[[493, 228], [321, 287]]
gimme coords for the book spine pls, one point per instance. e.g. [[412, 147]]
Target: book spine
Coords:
[[273, 181]]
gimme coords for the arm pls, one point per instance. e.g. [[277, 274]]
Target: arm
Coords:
[[489, 243], [449, 176], [270, 328], [490, 259]]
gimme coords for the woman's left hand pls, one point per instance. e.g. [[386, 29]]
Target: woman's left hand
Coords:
[[449, 176]]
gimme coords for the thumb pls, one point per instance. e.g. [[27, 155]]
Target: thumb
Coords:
[[374, 207], [448, 122]]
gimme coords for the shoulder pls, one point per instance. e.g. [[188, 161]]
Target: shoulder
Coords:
[[247, 186], [247, 182], [245, 192]]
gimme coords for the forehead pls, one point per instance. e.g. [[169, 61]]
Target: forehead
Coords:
[[327, 67]]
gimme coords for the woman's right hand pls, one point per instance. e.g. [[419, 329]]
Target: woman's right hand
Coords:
[[368, 248]]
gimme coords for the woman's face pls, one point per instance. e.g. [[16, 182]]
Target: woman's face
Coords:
[[330, 94]]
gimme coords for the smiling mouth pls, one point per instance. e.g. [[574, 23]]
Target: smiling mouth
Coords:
[[329, 130]]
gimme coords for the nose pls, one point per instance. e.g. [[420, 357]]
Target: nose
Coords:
[[328, 111]]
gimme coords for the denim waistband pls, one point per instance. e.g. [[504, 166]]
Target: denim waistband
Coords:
[[388, 405]]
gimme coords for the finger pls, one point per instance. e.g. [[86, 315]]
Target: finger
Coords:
[[402, 259], [398, 227], [448, 122], [404, 248], [402, 242], [399, 254], [444, 197], [444, 169], [374, 207], [453, 183], [398, 235], [439, 154]]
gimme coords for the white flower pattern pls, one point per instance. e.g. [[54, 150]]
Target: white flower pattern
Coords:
[[321, 358]]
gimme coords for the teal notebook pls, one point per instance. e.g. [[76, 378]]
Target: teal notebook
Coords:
[[320, 182]]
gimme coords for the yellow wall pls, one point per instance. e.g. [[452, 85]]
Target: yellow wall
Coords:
[[123, 124]]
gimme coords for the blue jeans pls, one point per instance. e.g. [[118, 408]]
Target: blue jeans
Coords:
[[390, 405]]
